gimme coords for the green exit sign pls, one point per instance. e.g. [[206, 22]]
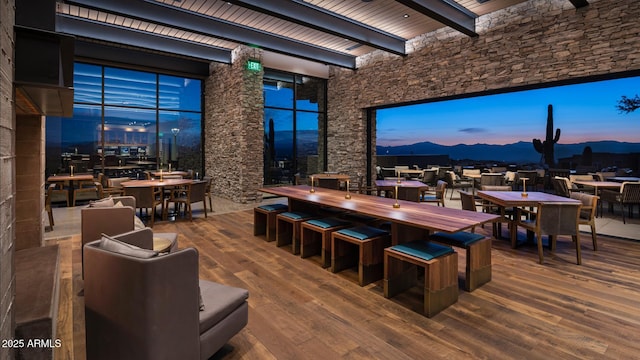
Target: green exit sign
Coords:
[[254, 65]]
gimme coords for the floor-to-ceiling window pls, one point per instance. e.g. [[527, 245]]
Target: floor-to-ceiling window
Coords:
[[294, 124], [125, 121]]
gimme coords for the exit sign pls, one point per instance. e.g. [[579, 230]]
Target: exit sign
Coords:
[[254, 65]]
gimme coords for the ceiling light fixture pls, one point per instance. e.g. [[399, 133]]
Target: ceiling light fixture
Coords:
[[405, 16]]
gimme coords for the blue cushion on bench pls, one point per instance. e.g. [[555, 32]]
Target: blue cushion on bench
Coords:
[[422, 249], [274, 207], [295, 215], [328, 222], [460, 238], [363, 232]]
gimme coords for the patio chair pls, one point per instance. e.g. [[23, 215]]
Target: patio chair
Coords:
[[627, 197], [429, 176], [561, 186], [455, 182], [588, 213], [553, 219], [438, 196]]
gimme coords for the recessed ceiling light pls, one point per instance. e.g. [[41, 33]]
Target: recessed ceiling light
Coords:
[[405, 16]]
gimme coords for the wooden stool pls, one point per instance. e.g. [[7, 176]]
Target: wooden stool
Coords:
[[315, 237], [440, 264], [370, 242], [264, 219], [478, 250], [288, 228]]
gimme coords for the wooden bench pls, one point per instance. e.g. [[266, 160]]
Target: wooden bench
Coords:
[[36, 302], [478, 251], [362, 246], [440, 265], [315, 237], [288, 228], [264, 219]]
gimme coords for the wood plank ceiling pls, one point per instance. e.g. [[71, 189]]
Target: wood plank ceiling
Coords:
[[328, 31]]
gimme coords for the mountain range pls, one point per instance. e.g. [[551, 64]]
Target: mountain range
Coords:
[[519, 152]]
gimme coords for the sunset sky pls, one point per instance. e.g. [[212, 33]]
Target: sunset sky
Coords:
[[583, 112]]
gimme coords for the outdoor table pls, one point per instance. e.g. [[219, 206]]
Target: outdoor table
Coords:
[[597, 185], [505, 199], [407, 189]]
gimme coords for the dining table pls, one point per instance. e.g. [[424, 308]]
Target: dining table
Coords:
[[329, 180], [173, 173], [407, 189], [156, 183], [71, 179], [597, 186], [509, 199], [621, 179], [409, 220]]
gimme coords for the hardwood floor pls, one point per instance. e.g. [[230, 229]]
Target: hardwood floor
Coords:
[[298, 310]]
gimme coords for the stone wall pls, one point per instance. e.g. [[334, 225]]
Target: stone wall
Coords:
[[530, 43], [7, 177], [29, 201], [234, 129]]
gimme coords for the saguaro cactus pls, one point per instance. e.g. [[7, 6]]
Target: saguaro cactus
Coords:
[[546, 147]]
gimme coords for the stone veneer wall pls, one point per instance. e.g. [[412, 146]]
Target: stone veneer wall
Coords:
[[233, 128], [7, 178], [529, 43], [29, 203]]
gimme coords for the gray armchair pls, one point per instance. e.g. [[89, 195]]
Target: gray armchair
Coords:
[[142, 306], [113, 220]]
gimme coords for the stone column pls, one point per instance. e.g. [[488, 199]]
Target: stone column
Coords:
[[234, 127], [7, 176], [29, 203]]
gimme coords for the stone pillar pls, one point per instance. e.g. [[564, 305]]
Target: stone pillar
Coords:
[[7, 177], [29, 148], [234, 128]]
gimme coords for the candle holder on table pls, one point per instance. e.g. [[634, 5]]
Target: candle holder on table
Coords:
[[396, 205], [524, 187], [347, 195]]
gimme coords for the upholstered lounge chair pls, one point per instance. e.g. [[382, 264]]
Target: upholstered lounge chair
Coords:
[[139, 305], [113, 220]]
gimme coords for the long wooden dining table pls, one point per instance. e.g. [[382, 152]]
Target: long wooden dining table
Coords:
[[507, 199], [410, 221]]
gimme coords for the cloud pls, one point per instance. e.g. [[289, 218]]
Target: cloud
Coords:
[[473, 130]]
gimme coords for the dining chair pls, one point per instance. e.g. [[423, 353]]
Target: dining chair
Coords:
[[491, 179], [47, 203], [588, 213], [627, 197], [58, 193], [553, 219], [109, 187], [189, 194], [207, 191], [561, 186], [87, 190], [438, 196], [455, 182], [148, 197], [429, 176]]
